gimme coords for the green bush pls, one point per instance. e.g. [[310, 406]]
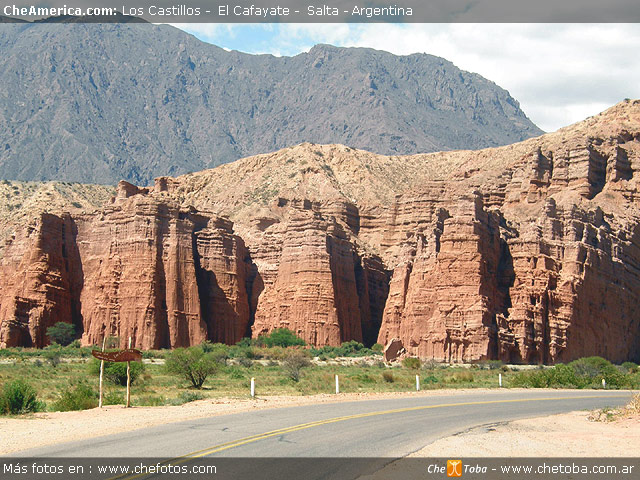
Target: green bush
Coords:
[[80, 397], [347, 349], [191, 364], [412, 363], [219, 351], [186, 397], [377, 348], [629, 367], [592, 370], [582, 373], [116, 372], [19, 397], [282, 337], [151, 401], [62, 333], [590, 367], [113, 398]]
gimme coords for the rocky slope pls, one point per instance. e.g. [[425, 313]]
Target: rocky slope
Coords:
[[525, 253], [98, 103]]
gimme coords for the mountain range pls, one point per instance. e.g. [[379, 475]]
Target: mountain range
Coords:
[[97, 103]]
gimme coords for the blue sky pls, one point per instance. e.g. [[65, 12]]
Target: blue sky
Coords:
[[560, 73]]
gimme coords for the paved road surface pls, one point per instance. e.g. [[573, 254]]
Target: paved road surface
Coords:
[[372, 429]]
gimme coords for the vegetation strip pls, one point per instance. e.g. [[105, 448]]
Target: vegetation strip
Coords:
[[254, 438]]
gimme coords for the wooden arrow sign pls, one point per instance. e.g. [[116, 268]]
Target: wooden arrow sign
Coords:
[[128, 355]]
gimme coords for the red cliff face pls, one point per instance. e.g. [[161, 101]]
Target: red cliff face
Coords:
[[40, 281], [525, 253], [143, 268]]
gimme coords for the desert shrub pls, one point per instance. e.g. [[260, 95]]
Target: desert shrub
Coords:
[[186, 397], [592, 370], [282, 337], [590, 367], [52, 355], [62, 333], [219, 351], [294, 363], [116, 372], [113, 398], [235, 372], [492, 364], [429, 379], [245, 362], [246, 342], [629, 367], [242, 351], [75, 344], [364, 378], [19, 397], [150, 401], [347, 349], [412, 363], [581, 373], [191, 364], [79, 397], [464, 376], [377, 348], [388, 377]]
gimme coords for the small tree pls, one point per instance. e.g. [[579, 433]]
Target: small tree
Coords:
[[192, 364], [282, 337], [294, 363], [62, 333]]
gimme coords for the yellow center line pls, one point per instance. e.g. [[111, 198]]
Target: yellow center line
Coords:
[[254, 438]]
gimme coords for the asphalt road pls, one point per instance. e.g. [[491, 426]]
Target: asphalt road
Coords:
[[373, 431]]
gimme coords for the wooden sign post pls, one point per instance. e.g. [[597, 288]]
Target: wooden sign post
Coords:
[[129, 355]]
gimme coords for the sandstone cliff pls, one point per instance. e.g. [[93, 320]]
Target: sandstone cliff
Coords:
[[525, 253]]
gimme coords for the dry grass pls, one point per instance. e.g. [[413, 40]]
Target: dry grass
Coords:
[[607, 414]]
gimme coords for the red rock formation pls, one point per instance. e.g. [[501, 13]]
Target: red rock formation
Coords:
[[40, 281], [321, 288], [525, 253]]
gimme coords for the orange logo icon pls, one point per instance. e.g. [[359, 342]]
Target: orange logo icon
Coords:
[[454, 468]]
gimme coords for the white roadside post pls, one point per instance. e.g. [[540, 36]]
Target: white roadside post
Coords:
[[129, 380], [604, 383], [337, 385], [101, 374], [417, 383], [500, 379], [253, 387]]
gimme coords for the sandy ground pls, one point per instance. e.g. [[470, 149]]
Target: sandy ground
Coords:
[[571, 434], [565, 435]]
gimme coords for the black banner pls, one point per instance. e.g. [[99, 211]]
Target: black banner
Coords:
[[325, 11], [227, 468]]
